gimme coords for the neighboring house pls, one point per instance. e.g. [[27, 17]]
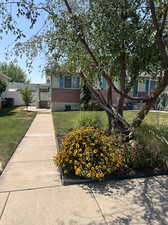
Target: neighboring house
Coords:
[[65, 91], [144, 88], [4, 77], [41, 94], [7, 80]]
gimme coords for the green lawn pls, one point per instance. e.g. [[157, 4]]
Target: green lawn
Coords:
[[66, 121], [13, 125], [153, 133]]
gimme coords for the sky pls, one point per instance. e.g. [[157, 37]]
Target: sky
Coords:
[[7, 43]]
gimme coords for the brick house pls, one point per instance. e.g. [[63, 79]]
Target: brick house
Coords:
[[65, 91]]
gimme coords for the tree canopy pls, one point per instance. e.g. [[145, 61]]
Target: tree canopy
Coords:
[[2, 86], [16, 73], [115, 40]]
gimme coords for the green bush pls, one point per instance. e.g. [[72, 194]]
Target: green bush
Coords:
[[94, 106], [136, 155], [155, 141], [88, 152], [88, 121]]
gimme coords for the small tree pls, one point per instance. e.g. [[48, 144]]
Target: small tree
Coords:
[[27, 96], [15, 72], [85, 97], [2, 86]]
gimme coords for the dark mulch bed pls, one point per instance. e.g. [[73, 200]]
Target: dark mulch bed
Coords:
[[129, 174]]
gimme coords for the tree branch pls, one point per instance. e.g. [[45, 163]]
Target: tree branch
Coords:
[[87, 48], [159, 37], [164, 19], [82, 39]]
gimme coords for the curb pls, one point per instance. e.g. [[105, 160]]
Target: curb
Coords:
[[72, 181]]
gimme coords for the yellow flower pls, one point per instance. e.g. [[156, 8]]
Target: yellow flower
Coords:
[[77, 171]]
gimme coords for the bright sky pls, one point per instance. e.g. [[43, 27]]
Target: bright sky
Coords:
[[7, 42]]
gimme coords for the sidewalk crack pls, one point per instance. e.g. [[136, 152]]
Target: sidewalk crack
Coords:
[[99, 207], [4, 206]]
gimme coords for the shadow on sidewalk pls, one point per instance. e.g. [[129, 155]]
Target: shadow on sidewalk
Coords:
[[148, 196]]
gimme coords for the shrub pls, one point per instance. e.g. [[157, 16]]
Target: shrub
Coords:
[[94, 106], [27, 96], [155, 141], [88, 152], [136, 154], [88, 121]]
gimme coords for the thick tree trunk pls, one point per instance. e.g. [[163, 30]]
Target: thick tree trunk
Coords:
[[110, 123], [109, 95], [142, 113], [116, 123], [120, 105]]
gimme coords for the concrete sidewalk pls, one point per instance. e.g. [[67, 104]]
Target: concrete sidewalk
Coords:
[[31, 192]]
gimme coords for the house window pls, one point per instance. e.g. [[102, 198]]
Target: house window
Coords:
[[147, 86], [152, 85], [61, 82], [135, 90], [103, 84], [76, 82], [68, 82]]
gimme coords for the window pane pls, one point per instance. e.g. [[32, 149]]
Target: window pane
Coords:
[[68, 82], [76, 82], [147, 86], [135, 90], [152, 85], [103, 84], [61, 82]]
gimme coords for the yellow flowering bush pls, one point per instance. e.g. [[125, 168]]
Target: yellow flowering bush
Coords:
[[88, 152]]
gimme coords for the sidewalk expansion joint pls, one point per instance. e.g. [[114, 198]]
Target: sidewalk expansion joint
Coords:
[[31, 189], [99, 207], [4, 206]]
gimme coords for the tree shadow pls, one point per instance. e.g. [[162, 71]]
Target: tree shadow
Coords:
[[138, 201], [7, 111]]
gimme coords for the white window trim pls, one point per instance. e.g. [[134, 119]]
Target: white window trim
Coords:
[[72, 78]]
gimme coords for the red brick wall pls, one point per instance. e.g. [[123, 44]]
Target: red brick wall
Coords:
[[73, 95], [65, 95], [115, 96]]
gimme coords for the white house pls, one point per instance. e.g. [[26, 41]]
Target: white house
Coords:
[[41, 94]]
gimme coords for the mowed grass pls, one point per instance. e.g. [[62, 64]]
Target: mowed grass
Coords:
[[67, 121], [13, 125], [153, 132]]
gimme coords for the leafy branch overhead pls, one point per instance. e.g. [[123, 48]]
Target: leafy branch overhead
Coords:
[[123, 41]]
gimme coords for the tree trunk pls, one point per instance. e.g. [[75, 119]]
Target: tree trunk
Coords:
[[122, 83], [120, 105], [145, 109], [110, 123], [109, 95], [116, 123], [142, 113]]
